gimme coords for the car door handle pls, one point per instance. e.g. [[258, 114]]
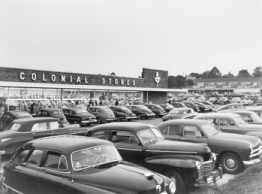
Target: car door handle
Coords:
[[182, 138]]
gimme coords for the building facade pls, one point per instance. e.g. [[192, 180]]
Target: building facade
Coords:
[[22, 87]]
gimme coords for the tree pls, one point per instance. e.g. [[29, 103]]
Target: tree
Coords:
[[172, 83], [214, 73], [196, 75], [257, 72], [205, 74], [243, 73], [190, 82], [180, 81], [229, 75]]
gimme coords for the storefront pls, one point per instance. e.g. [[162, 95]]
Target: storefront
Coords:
[[20, 88]]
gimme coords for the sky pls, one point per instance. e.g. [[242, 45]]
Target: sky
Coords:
[[124, 36]]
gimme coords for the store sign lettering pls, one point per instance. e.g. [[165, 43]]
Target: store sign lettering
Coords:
[[76, 79]]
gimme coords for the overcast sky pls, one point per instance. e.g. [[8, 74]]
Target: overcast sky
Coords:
[[121, 36]]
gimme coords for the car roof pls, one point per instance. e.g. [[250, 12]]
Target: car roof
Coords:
[[34, 119], [101, 107], [181, 109], [73, 109], [123, 126], [217, 115], [50, 109], [186, 121], [66, 143]]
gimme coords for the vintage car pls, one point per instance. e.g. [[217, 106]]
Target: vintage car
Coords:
[[156, 109], [234, 151], [248, 116], [232, 123], [143, 144], [167, 107], [246, 101], [141, 111], [74, 164], [123, 113], [192, 105], [259, 101], [52, 112], [256, 109], [203, 107], [178, 113], [23, 130], [213, 100], [223, 100], [231, 106], [9, 116], [79, 116], [103, 114], [179, 105], [235, 100]]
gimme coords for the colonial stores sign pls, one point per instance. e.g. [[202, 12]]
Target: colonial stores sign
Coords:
[[74, 79]]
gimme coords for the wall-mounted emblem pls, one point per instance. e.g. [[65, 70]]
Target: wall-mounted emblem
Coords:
[[157, 78]]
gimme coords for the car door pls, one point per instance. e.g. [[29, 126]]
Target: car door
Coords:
[[228, 125], [192, 133], [172, 132], [128, 146]]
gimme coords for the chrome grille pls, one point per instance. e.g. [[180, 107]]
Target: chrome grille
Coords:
[[206, 168]]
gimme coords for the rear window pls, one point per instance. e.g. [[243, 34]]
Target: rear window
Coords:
[[15, 126], [108, 110], [22, 114], [58, 112]]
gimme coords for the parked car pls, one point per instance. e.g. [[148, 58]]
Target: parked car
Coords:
[[9, 116], [71, 164], [234, 151], [179, 105], [102, 114], [123, 113], [192, 105], [203, 107], [213, 100], [167, 107], [257, 110], [178, 113], [248, 116], [143, 144], [141, 111], [79, 116], [20, 131], [232, 123], [246, 101], [156, 109], [52, 112], [259, 101], [207, 103], [231, 106], [235, 100], [223, 100]]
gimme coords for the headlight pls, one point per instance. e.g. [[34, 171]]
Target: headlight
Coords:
[[198, 164], [214, 156], [172, 187], [3, 140]]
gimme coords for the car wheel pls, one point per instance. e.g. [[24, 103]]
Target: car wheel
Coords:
[[231, 163], [178, 180], [139, 117], [99, 121]]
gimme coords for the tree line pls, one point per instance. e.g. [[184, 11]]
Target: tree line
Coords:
[[181, 81]]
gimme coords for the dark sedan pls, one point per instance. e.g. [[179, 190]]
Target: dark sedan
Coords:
[[156, 109], [192, 105], [234, 151], [141, 111], [123, 113], [178, 113], [167, 107], [179, 105], [9, 116], [143, 144], [52, 112], [79, 116], [23, 130], [71, 164], [203, 107], [103, 114]]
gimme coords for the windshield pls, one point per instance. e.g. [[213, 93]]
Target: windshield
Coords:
[[95, 156], [210, 129], [80, 111], [240, 121], [147, 135], [256, 118], [141, 106]]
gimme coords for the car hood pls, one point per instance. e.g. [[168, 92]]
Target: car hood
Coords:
[[233, 138], [177, 147], [129, 178]]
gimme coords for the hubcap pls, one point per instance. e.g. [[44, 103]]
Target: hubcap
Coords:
[[230, 163], [173, 179]]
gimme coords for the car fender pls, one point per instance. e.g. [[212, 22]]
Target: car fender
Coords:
[[181, 161]]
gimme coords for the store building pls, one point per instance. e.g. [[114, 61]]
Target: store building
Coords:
[[250, 85], [22, 87]]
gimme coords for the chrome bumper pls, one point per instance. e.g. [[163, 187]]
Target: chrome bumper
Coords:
[[212, 178], [253, 161]]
